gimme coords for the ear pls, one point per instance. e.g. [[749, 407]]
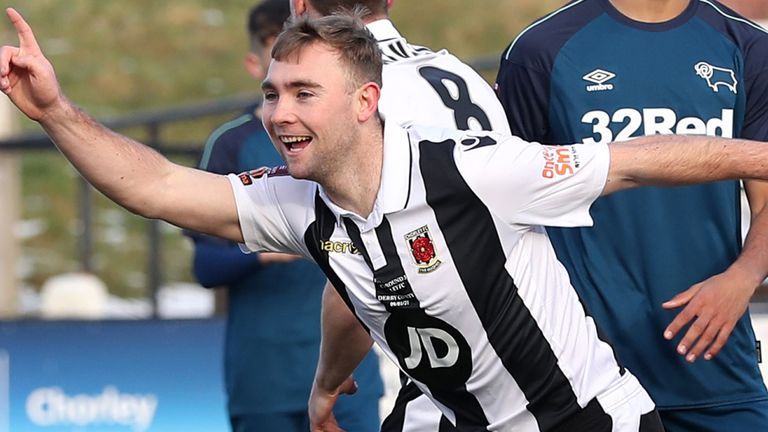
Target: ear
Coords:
[[368, 101], [298, 8], [390, 3], [254, 66]]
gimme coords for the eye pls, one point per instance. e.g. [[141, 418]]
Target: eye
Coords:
[[304, 94], [270, 96]]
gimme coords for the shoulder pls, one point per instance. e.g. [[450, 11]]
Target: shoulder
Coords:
[[397, 51], [750, 38], [248, 177], [275, 186], [727, 19], [545, 37], [227, 138], [436, 66], [459, 140], [394, 47], [243, 125]]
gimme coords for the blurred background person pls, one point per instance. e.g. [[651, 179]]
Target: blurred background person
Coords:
[[659, 261], [273, 317]]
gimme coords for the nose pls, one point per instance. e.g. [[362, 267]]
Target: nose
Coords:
[[280, 112]]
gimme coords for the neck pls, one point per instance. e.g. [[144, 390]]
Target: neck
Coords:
[[356, 184], [651, 11], [374, 17]]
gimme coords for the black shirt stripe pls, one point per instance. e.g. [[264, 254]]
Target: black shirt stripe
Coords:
[[469, 413], [321, 230], [395, 421], [471, 237]]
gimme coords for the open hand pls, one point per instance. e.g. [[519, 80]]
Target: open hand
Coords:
[[713, 307]]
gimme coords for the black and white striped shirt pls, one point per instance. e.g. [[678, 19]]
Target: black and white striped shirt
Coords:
[[437, 89], [454, 277], [433, 88]]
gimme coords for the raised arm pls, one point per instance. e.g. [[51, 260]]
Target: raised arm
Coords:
[[680, 160], [131, 174]]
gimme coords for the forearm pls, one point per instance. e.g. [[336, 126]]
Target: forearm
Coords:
[[344, 342], [139, 178], [122, 169], [680, 160], [752, 263], [753, 260]]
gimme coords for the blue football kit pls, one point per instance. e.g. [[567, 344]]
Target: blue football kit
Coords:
[[587, 73]]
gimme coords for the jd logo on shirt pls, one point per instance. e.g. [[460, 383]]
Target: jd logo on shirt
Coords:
[[429, 349], [419, 338]]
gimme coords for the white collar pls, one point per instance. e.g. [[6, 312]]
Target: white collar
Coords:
[[395, 185], [383, 30]]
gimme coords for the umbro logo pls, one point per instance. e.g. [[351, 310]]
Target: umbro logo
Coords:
[[599, 77]]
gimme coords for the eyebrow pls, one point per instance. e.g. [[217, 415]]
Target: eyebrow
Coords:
[[268, 85]]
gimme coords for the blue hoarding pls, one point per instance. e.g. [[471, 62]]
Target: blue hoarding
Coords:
[[136, 376]]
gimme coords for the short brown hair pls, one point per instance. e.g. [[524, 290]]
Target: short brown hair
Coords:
[[345, 33], [328, 7], [265, 21]]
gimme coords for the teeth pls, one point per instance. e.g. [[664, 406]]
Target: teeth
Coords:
[[293, 139]]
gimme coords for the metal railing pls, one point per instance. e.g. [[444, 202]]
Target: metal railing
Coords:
[[153, 124]]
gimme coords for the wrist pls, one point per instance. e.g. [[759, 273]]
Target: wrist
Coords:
[[58, 112], [752, 277], [323, 386], [328, 383]]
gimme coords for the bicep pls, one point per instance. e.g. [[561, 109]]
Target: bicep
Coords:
[[756, 128], [532, 184], [619, 168], [200, 201]]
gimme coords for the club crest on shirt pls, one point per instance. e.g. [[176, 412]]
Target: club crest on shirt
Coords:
[[716, 76], [422, 250], [245, 178], [249, 176]]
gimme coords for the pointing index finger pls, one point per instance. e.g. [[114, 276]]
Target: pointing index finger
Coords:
[[27, 42]]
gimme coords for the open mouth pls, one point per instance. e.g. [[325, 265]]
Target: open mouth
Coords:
[[295, 143]]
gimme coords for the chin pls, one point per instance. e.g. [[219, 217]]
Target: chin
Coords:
[[298, 173]]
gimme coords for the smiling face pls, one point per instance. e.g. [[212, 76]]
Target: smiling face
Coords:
[[311, 112]]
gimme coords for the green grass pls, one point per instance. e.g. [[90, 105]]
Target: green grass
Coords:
[[119, 57]]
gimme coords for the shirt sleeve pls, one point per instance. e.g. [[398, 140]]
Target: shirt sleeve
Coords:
[[756, 117], [532, 184], [273, 211], [220, 154], [219, 263], [524, 93]]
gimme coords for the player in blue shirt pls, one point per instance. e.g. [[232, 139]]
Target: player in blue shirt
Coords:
[[273, 320], [600, 70]]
